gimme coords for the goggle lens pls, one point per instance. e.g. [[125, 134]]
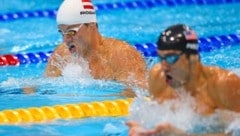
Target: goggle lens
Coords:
[[170, 59], [71, 31]]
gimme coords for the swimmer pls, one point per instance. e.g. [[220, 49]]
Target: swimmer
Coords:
[[108, 58], [180, 67]]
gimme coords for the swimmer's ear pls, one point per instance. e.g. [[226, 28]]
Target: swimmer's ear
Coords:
[[92, 24]]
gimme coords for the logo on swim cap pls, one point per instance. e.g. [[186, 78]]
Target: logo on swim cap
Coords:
[[179, 37], [190, 34], [192, 46], [76, 12]]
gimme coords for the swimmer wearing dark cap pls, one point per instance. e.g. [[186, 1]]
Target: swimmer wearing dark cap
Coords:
[[180, 67]]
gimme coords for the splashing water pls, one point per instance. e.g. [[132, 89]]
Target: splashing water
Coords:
[[75, 79], [164, 112], [181, 114], [73, 70], [234, 127], [73, 66]]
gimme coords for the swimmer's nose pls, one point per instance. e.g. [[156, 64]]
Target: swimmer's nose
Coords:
[[165, 65], [67, 38], [164, 62]]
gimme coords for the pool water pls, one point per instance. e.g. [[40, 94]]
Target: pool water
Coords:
[[139, 25]]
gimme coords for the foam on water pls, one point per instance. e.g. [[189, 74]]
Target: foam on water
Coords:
[[234, 127], [181, 114], [72, 66], [75, 76], [76, 68], [149, 113]]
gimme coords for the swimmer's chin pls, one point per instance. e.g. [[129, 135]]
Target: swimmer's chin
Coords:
[[171, 82]]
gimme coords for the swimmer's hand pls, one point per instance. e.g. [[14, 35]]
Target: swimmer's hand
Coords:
[[128, 93], [135, 129], [29, 90], [157, 80]]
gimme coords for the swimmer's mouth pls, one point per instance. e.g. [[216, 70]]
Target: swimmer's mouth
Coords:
[[169, 79], [72, 48]]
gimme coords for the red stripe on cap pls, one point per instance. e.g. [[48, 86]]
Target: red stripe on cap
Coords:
[[86, 0], [88, 7], [191, 35]]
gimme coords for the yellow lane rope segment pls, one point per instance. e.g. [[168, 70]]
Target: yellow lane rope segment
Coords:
[[106, 108]]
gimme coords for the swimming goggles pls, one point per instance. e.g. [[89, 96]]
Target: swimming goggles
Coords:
[[170, 58], [71, 31]]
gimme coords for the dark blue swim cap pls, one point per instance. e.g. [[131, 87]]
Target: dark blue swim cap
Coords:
[[179, 37]]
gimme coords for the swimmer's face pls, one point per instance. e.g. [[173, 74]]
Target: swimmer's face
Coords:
[[75, 37], [175, 66]]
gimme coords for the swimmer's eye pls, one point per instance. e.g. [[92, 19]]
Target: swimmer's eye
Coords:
[[69, 32], [171, 58]]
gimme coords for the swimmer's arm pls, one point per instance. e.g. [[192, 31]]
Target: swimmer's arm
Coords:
[[29, 90], [51, 70], [215, 134], [138, 68], [228, 89], [135, 129], [158, 86], [129, 65]]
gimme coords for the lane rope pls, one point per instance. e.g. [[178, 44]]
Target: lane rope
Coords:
[[107, 108], [148, 50], [138, 4]]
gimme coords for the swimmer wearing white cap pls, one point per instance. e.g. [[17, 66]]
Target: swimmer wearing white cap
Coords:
[[108, 58]]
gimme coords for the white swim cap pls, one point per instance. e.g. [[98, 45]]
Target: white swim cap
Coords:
[[76, 12]]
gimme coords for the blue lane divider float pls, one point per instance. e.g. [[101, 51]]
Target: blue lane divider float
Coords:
[[205, 44], [148, 50], [28, 14], [138, 4]]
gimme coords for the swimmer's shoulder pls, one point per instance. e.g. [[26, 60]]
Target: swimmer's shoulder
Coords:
[[217, 71], [121, 49], [211, 71], [222, 76], [114, 42]]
